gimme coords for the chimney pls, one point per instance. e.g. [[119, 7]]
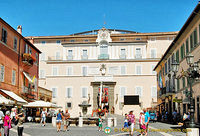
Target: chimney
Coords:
[[19, 29]]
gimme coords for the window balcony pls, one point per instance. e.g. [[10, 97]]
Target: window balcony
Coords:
[[28, 59], [69, 57], [84, 57], [103, 57], [54, 58], [122, 56], [138, 56]]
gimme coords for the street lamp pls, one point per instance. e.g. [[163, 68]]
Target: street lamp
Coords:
[[175, 67], [190, 59], [192, 73]]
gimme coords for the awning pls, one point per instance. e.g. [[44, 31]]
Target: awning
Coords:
[[14, 96], [27, 76], [41, 104], [5, 101]]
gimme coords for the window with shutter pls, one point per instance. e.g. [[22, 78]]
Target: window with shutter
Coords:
[[69, 92], [153, 53], [42, 73], [154, 92], [84, 93], [2, 73], [57, 55], [138, 53], [13, 77], [4, 36], [84, 71], [69, 71], [139, 91], [123, 70], [122, 91], [15, 44], [55, 71], [138, 70], [70, 55], [54, 92]]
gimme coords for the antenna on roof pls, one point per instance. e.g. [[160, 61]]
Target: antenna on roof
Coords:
[[104, 18]]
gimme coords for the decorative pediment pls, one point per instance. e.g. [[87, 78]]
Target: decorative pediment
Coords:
[[103, 35]]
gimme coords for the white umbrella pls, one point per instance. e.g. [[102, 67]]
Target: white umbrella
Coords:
[[41, 104], [4, 100]]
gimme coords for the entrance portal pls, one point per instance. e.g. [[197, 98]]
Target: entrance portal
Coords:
[[107, 97]]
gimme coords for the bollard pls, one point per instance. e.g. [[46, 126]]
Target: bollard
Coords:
[[109, 122], [54, 121], [80, 122], [115, 122]]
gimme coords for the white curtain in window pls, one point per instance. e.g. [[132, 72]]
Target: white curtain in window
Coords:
[[139, 91], [154, 92], [122, 91], [54, 92], [84, 93], [138, 70]]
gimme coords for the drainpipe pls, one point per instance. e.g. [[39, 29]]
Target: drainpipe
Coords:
[[18, 65]]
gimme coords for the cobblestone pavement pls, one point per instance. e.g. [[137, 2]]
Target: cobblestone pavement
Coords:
[[35, 129]]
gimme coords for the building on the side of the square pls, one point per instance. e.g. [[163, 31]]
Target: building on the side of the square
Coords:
[[172, 88], [70, 67], [19, 64], [44, 94]]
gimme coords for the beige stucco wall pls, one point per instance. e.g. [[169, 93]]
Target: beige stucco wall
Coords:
[[76, 81]]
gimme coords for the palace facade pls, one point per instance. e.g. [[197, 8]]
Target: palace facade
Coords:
[[70, 67]]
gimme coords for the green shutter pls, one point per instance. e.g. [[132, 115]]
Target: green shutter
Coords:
[[191, 41], [177, 56], [195, 37], [187, 47]]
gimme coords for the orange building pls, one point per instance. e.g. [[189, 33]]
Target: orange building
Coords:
[[19, 63]]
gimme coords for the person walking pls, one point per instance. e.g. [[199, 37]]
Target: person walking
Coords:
[[146, 120], [131, 122], [43, 116], [1, 120], [59, 118], [100, 123], [141, 122], [126, 121], [20, 127], [12, 115], [66, 120], [7, 123], [174, 114]]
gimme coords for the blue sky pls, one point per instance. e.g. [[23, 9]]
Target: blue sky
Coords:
[[63, 17]]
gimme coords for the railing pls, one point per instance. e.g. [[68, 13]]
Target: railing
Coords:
[[122, 56], [84, 57], [54, 57], [103, 56], [28, 59], [138, 56], [25, 89], [69, 57]]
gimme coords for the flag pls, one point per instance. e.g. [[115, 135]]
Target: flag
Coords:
[[33, 79]]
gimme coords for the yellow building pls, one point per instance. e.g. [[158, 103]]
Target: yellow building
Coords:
[[175, 86]]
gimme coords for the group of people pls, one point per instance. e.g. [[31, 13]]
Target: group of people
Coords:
[[13, 118], [62, 117], [130, 121]]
